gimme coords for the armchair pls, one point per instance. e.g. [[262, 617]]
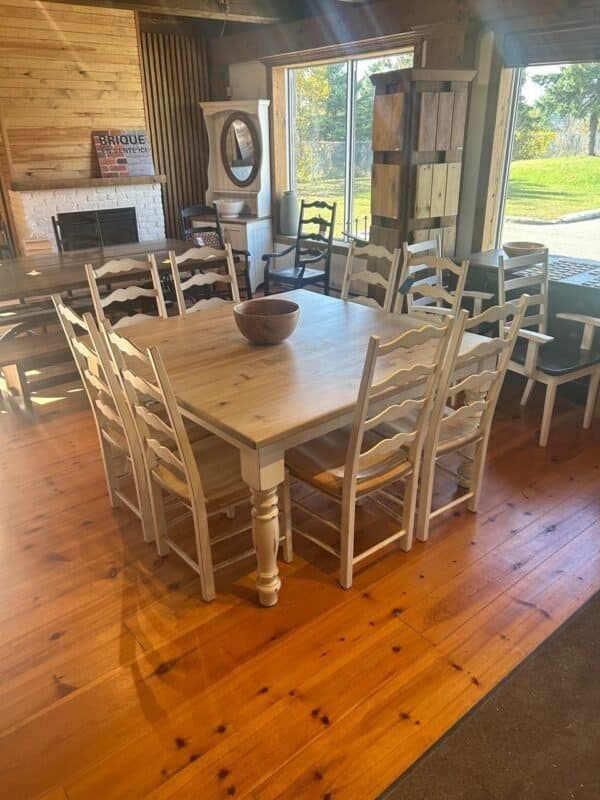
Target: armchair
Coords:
[[538, 356], [312, 262]]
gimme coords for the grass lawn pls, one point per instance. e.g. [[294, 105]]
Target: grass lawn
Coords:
[[548, 188]]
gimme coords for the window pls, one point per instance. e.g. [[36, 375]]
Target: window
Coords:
[[553, 172], [330, 116]]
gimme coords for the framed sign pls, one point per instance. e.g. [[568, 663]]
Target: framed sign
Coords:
[[123, 153]]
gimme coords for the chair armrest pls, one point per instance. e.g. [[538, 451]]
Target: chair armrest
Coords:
[[535, 340], [589, 324], [535, 336], [442, 311], [240, 252], [269, 256]]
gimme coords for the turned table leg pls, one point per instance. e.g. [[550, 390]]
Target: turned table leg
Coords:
[[263, 471]]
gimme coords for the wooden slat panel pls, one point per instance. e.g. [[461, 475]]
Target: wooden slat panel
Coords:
[[448, 241], [444, 121], [438, 189], [458, 120], [423, 191], [452, 190], [388, 122], [428, 120], [65, 71], [385, 194], [175, 79]]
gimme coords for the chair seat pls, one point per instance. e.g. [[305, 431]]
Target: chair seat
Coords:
[[321, 463], [219, 467], [557, 358], [294, 273]]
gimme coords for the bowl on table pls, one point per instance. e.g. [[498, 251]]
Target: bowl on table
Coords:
[[229, 207], [513, 249], [266, 320]]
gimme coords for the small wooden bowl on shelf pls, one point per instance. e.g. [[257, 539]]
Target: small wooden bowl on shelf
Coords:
[[513, 249], [266, 320]]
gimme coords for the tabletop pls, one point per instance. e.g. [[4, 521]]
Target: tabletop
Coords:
[[258, 396], [46, 273]]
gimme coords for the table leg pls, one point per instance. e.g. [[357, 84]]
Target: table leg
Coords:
[[263, 472]]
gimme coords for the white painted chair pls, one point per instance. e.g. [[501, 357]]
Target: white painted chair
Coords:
[[423, 281], [357, 274], [120, 446], [204, 475], [354, 462], [540, 357], [146, 290], [463, 411], [195, 257]]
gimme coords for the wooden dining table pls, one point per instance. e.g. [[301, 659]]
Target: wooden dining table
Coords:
[[265, 400]]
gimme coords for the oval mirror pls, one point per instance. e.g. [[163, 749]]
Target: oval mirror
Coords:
[[240, 149]]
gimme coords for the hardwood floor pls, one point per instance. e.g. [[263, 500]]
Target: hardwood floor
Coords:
[[117, 681]]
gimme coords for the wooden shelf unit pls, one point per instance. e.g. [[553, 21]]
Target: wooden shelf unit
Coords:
[[419, 118]]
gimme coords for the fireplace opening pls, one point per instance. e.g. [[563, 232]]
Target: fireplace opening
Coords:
[[82, 230]]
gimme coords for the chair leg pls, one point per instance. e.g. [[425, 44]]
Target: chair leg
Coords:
[[408, 511], [286, 507], [527, 391], [203, 553], [591, 399], [347, 543], [158, 512], [427, 480], [477, 476], [247, 279], [266, 282], [548, 409]]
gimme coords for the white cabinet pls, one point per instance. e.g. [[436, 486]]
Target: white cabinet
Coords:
[[254, 235]]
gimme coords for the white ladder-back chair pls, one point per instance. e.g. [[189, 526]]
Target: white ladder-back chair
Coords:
[[399, 379], [117, 434], [203, 280], [357, 272], [148, 288], [203, 475], [424, 266], [538, 356], [463, 412]]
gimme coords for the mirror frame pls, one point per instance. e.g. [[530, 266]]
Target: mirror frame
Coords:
[[247, 119]]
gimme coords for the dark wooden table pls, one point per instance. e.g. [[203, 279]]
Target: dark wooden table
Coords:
[[44, 274]]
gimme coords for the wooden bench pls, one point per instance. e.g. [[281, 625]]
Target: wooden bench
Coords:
[[22, 354]]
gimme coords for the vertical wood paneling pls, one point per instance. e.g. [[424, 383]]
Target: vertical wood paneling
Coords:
[[175, 79]]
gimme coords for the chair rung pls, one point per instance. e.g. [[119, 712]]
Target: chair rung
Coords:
[[230, 534], [183, 555], [316, 516], [318, 542], [457, 501], [378, 546], [229, 561]]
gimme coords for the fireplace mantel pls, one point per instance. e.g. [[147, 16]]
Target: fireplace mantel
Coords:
[[37, 185]]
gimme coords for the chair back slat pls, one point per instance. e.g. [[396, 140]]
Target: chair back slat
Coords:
[[394, 412], [203, 280], [165, 456], [127, 311], [424, 277], [362, 277]]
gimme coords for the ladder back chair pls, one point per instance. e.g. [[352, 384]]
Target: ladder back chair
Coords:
[[432, 248], [463, 411], [117, 434], [204, 476], [205, 222], [541, 358], [132, 300], [399, 379], [365, 278], [424, 282], [201, 282], [312, 251]]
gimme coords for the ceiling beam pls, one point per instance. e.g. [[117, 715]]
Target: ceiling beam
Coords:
[[227, 10]]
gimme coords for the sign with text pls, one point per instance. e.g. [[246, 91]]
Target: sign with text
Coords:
[[123, 154]]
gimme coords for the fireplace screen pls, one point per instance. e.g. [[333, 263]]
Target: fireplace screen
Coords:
[[81, 230]]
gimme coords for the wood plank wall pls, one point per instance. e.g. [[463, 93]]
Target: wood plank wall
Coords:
[[64, 71], [175, 76]]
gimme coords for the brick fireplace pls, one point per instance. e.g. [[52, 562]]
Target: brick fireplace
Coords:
[[34, 208]]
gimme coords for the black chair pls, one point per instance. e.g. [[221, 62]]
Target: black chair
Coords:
[[207, 225], [311, 265]]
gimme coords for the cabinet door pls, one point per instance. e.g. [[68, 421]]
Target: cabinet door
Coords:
[[235, 235]]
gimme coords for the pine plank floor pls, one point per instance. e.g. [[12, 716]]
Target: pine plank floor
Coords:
[[117, 681]]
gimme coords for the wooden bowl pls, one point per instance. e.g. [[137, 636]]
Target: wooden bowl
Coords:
[[513, 249], [266, 320]]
